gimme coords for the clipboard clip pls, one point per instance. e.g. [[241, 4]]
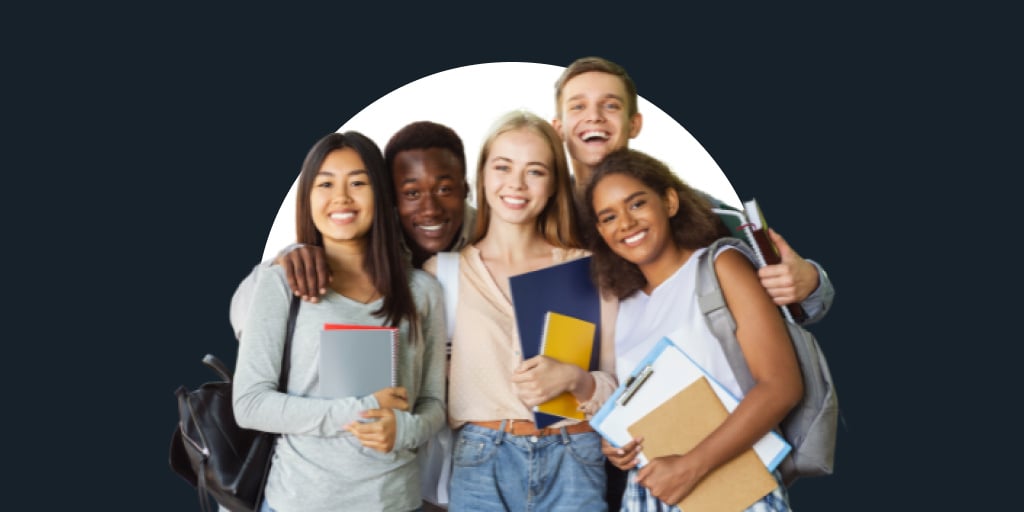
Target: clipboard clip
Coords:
[[634, 383]]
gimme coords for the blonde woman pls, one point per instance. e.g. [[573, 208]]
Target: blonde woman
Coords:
[[526, 221]]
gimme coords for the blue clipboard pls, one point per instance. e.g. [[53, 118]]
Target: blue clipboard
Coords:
[[664, 371]]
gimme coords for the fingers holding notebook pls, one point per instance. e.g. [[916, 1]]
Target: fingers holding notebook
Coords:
[[379, 434], [393, 398]]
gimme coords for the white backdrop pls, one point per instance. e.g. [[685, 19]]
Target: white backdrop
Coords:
[[470, 98]]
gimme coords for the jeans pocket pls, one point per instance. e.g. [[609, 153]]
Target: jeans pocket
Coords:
[[473, 449], [586, 448]]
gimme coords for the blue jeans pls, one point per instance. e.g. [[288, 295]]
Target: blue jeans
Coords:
[[265, 507], [493, 470]]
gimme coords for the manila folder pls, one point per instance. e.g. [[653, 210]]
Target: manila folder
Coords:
[[678, 425]]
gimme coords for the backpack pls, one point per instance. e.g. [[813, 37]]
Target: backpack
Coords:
[[810, 428], [435, 457]]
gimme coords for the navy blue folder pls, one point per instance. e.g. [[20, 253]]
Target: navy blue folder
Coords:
[[564, 288]]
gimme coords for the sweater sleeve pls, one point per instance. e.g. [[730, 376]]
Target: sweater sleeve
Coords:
[[257, 402], [817, 304], [428, 413], [605, 380], [242, 299]]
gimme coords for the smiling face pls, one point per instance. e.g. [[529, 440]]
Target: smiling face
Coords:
[[341, 199], [431, 191], [594, 118], [633, 219], [518, 176]]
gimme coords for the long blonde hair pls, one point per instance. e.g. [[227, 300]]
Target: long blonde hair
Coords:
[[557, 222]]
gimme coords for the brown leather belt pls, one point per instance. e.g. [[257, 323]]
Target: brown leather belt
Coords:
[[528, 428]]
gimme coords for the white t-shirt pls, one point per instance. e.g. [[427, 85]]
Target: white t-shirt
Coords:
[[671, 310]]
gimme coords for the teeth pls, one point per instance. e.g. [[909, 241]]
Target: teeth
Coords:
[[342, 215], [590, 135], [431, 228], [636, 238], [514, 201]]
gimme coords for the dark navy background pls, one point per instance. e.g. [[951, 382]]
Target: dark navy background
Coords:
[[150, 149]]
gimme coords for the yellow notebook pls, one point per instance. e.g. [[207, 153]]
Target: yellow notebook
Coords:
[[678, 425], [569, 340]]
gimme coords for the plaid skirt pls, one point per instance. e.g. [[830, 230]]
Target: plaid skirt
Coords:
[[636, 499]]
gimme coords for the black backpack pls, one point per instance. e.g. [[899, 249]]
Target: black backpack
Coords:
[[211, 452]]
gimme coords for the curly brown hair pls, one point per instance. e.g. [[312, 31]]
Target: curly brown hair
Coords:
[[693, 226]]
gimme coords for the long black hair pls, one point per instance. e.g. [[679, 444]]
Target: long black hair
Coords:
[[383, 261]]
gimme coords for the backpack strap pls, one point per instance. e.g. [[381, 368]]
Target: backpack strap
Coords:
[[810, 427], [448, 274], [716, 313]]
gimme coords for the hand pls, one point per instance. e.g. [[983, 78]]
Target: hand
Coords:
[[541, 378], [624, 458], [393, 398], [377, 435], [306, 269], [790, 281], [671, 478]]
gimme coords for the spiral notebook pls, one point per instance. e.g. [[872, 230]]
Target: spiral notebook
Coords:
[[357, 360]]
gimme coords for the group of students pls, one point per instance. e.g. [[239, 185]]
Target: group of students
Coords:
[[358, 262]]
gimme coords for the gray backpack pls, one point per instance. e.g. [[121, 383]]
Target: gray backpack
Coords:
[[811, 426]]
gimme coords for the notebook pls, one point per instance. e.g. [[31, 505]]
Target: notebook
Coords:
[[566, 339], [357, 360], [564, 288]]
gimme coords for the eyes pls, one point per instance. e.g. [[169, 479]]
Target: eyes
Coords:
[[533, 170], [354, 182], [413, 194], [608, 106], [635, 205]]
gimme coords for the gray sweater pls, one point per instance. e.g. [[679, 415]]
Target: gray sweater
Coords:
[[317, 465]]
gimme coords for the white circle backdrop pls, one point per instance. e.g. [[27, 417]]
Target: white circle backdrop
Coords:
[[470, 98]]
